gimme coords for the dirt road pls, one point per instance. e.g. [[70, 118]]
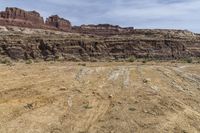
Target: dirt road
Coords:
[[99, 98]]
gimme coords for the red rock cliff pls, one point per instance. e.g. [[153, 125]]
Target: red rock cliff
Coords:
[[19, 17], [59, 23], [32, 19]]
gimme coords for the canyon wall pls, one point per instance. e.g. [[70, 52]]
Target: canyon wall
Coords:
[[51, 45]]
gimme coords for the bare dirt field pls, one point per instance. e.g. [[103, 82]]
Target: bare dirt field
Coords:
[[56, 97]]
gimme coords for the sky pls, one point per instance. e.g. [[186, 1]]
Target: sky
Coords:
[[153, 14]]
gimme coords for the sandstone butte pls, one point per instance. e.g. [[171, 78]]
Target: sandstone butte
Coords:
[[56, 38], [32, 19]]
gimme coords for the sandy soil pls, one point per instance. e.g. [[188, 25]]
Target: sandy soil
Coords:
[[99, 98]]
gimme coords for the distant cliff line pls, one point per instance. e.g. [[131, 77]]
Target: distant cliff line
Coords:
[[13, 16]]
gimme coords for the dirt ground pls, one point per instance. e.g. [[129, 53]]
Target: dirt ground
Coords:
[[55, 97]]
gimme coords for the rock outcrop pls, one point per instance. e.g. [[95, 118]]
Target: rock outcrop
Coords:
[[19, 17], [103, 30], [52, 45], [59, 23]]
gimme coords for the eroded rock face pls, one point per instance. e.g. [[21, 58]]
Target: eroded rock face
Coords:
[[103, 29], [19, 17], [156, 44], [59, 23], [32, 19]]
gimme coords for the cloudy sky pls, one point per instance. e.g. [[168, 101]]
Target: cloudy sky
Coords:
[[178, 14]]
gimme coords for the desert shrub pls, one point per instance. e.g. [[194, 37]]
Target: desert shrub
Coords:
[[87, 106], [3, 61], [6, 61], [131, 59], [189, 60], [145, 81], [29, 61], [132, 109], [82, 64], [144, 61], [59, 57], [173, 61], [36, 61]]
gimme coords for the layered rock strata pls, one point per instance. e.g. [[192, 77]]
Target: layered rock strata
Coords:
[[59, 23], [17, 17], [52, 45], [103, 30]]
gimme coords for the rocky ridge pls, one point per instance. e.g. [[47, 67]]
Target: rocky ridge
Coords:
[[103, 30], [25, 43]]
